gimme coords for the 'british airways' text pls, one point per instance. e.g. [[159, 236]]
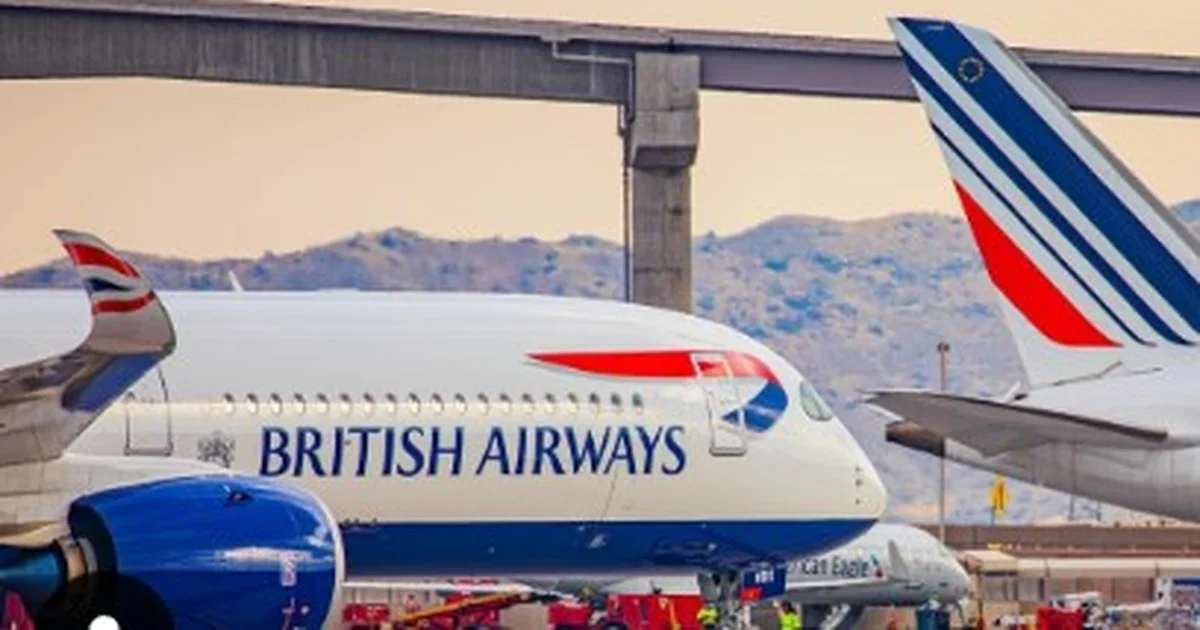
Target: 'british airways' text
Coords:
[[409, 451]]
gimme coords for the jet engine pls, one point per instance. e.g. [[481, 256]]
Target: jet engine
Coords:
[[212, 551]]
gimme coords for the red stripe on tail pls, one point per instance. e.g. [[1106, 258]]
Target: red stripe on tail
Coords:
[[122, 306], [84, 254], [1030, 291]]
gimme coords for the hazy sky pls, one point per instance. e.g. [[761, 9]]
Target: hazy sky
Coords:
[[207, 170]]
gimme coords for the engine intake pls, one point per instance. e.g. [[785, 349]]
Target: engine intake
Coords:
[[214, 551]]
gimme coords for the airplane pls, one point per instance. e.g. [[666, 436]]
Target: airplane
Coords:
[[1099, 286], [238, 455], [892, 564]]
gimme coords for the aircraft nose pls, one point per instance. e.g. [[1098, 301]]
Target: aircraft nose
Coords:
[[960, 581], [871, 495]]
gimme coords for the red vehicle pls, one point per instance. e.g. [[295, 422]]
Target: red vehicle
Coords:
[[1051, 618], [366, 616], [629, 612]]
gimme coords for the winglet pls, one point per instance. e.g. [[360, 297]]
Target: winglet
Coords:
[[127, 316]]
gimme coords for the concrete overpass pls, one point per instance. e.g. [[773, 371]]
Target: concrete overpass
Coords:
[[652, 75]]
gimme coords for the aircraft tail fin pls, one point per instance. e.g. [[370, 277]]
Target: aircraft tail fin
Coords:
[[899, 567], [1094, 270]]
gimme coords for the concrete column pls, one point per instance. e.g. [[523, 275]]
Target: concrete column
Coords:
[[661, 143]]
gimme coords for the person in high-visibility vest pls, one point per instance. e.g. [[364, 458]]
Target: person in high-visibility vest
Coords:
[[789, 619], [707, 616]]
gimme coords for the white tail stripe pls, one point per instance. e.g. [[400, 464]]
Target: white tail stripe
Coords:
[[1142, 203], [1043, 184], [1045, 260], [1073, 290]]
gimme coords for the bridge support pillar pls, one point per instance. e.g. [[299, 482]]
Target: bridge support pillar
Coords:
[[661, 138]]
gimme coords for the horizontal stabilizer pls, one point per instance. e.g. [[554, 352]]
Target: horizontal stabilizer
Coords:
[[46, 404], [992, 427]]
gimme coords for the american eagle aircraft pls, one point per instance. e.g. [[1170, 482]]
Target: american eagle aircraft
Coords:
[[893, 564], [240, 454], [1099, 285]]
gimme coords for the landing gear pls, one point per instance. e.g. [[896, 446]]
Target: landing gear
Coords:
[[722, 590]]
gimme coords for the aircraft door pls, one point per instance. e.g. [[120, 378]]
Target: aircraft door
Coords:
[[147, 409], [726, 416]]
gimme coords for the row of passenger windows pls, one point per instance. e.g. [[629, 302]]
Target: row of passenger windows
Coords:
[[414, 404]]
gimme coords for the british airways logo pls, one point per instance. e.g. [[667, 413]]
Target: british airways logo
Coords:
[[746, 391]]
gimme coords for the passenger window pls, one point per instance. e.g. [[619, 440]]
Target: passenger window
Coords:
[[594, 403], [230, 403], [345, 405], [414, 404], [505, 404], [252, 403], [368, 405], [276, 404], [812, 404], [390, 404], [550, 402], [322, 404], [526, 403], [616, 403], [572, 404], [638, 404], [436, 404], [481, 401], [460, 404], [298, 402]]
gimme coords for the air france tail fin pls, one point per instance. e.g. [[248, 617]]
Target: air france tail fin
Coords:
[[1095, 272]]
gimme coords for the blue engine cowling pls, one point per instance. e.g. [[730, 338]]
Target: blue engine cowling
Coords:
[[218, 551]]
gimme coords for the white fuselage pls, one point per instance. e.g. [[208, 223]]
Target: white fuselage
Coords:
[[1163, 479], [444, 448]]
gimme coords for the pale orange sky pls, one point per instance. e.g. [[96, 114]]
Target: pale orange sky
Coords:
[[207, 170]]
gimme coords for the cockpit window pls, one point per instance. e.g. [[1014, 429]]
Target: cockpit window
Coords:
[[812, 404]]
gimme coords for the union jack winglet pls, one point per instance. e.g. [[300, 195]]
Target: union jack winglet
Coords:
[[127, 314]]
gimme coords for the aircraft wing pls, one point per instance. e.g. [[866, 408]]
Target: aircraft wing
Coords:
[[46, 404], [993, 427]]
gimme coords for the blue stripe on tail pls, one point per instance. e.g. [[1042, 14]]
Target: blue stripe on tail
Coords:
[[1040, 201], [1062, 165], [1041, 240]]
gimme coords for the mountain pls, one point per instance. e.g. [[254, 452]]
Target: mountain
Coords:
[[854, 305]]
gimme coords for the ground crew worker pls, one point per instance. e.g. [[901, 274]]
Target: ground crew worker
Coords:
[[707, 616], [789, 619]]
